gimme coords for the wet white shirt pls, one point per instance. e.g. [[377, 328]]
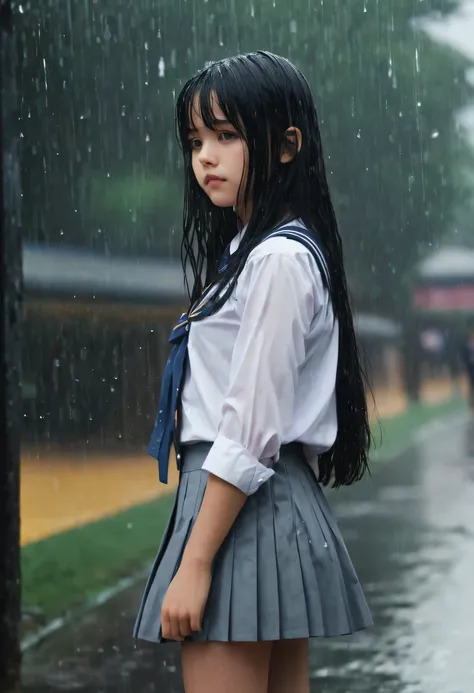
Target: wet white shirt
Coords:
[[262, 370]]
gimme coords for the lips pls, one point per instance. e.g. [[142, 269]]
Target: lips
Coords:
[[209, 180]]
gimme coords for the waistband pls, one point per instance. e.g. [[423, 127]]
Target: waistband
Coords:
[[194, 454]]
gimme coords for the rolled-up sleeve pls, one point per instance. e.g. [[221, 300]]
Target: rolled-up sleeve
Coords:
[[279, 305]]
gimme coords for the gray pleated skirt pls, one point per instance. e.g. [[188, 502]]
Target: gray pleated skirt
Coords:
[[282, 572]]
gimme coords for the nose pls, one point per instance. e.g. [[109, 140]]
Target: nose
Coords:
[[207, 154]]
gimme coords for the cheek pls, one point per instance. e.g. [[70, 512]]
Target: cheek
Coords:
[[197, 170]]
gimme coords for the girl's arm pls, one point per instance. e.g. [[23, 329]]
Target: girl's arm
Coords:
[[185, 600], [221, 504]]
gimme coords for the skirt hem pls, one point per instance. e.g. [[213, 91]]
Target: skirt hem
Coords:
[[292, 635]]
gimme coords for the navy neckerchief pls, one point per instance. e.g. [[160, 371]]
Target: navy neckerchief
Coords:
[[165, 432]]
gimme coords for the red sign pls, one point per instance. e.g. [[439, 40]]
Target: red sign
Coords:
[[444, 298]]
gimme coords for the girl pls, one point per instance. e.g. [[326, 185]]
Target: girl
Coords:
[[262, 395]]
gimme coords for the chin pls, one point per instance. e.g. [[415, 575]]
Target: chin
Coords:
[[222, 205], [221, 201]]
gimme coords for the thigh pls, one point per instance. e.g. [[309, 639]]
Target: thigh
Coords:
[[226, 667], [289, 667]]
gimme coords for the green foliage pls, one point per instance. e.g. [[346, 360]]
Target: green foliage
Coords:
[[130, 193], [100, 108]]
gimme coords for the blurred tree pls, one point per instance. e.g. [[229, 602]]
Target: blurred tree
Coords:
[[101, 166]]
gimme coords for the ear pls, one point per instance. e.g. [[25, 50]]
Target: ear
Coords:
[[292, 144]]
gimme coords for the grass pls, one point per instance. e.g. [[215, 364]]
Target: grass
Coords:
[[62, 572]]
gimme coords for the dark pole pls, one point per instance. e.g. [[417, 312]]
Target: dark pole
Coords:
[[11, 286]]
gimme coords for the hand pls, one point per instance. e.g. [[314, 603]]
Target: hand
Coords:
[[184, 602]]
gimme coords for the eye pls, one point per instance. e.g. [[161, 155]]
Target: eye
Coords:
[[194, 143], [227, 136]]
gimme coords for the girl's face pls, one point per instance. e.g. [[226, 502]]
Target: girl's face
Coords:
[[219, 160]]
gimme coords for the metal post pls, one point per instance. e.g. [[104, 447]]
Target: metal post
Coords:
[[11, 288]]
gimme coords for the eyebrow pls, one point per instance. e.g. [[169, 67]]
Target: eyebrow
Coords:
[[216, 121]]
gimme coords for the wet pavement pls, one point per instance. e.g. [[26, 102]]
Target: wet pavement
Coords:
[[410, 531]]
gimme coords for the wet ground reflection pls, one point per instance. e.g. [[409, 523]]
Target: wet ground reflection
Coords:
[[410, 530]]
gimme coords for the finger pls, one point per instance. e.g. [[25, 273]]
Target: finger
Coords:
[[165, 625], [185, 625], [174, 627], [195, 622]]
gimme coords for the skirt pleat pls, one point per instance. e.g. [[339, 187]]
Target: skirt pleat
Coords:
[[282, 572], [319, 541], [243, 613], [268, 582], [293, 616]]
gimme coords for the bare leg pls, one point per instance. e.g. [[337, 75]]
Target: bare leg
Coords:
[[227, 667], [289, 667]]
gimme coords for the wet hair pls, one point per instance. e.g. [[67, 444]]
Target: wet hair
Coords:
[[262, 95]]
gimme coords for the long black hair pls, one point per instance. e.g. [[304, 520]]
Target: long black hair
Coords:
[[262, 95]]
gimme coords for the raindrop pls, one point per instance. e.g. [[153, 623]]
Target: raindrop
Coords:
[[161, 67]]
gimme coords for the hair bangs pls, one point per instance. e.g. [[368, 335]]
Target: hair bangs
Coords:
[[198, 98]]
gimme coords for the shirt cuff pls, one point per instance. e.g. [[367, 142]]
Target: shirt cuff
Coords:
[[233, 463]]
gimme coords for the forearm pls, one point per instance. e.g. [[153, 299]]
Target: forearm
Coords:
[[220, 507]]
